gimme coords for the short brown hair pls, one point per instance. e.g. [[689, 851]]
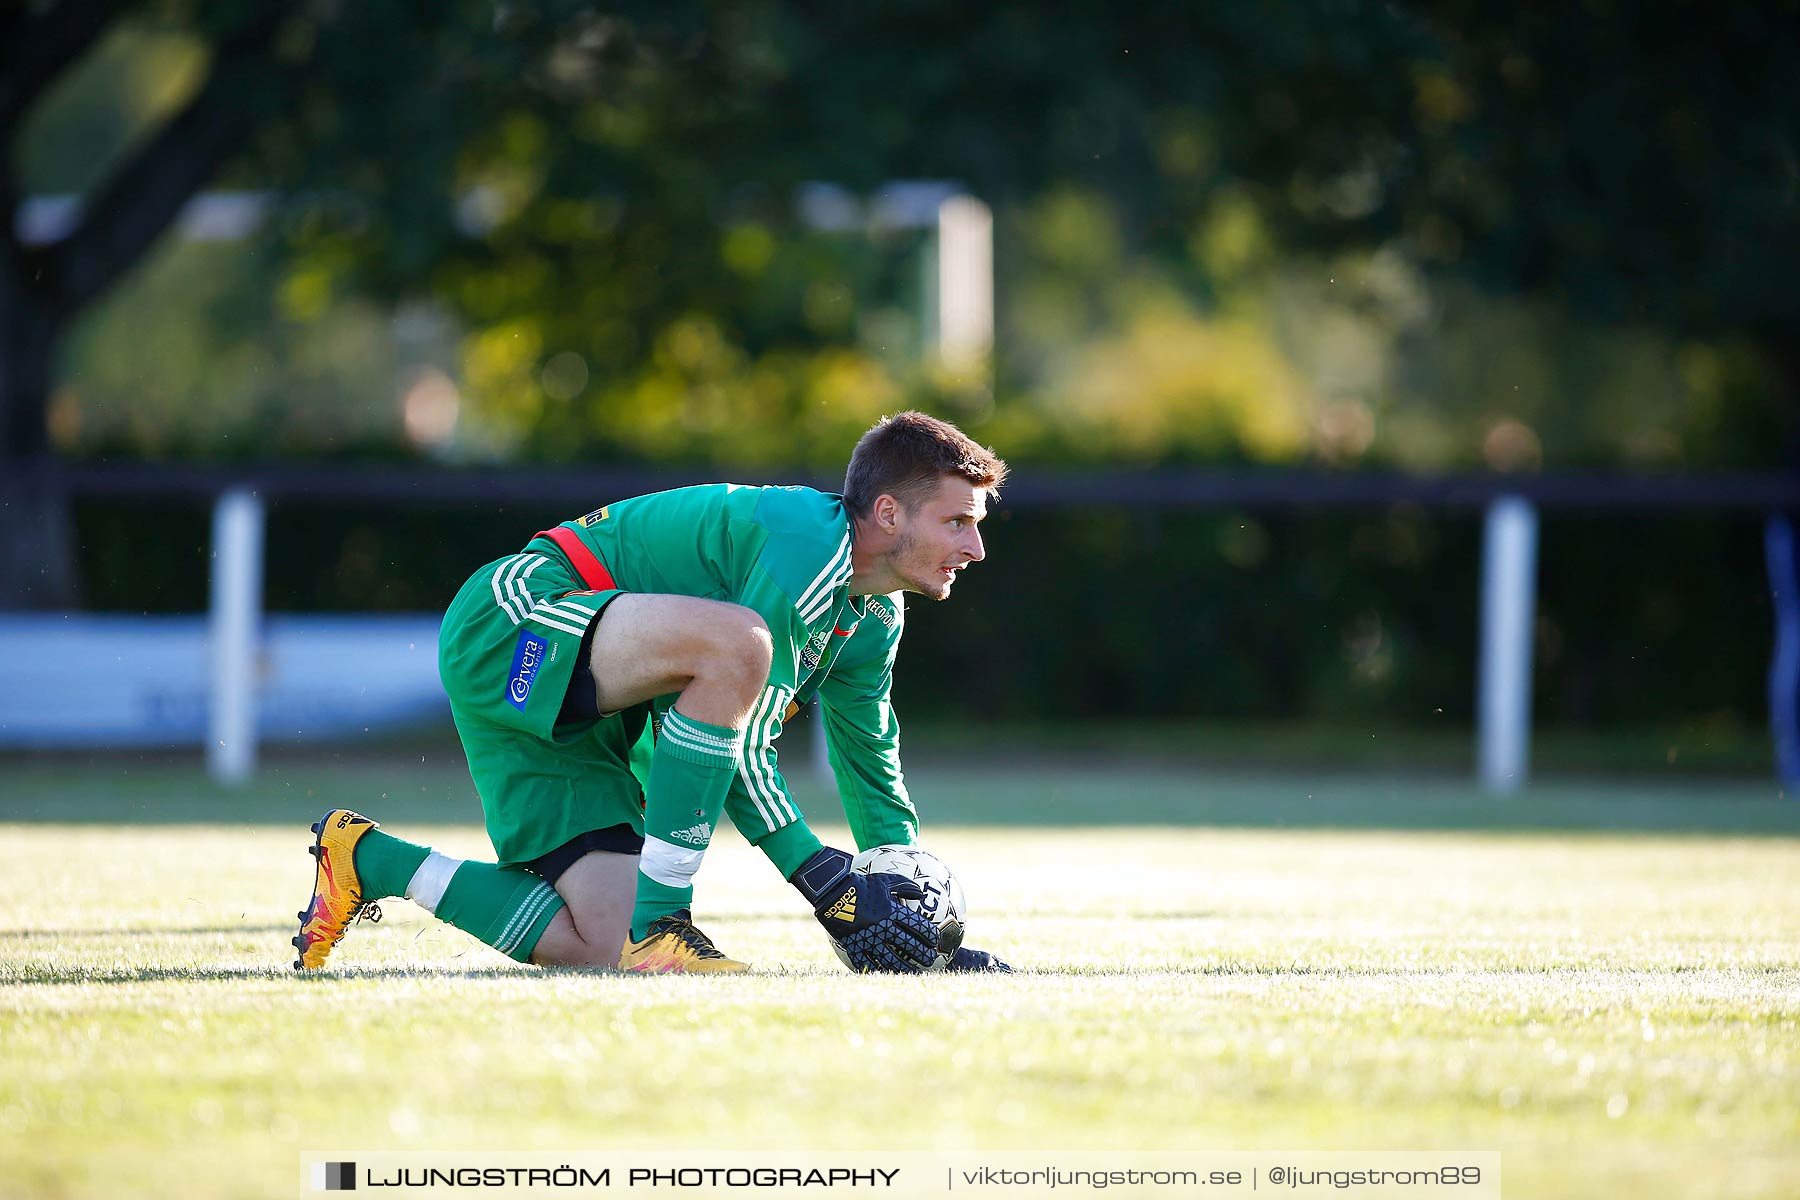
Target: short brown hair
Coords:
[[905, 455]]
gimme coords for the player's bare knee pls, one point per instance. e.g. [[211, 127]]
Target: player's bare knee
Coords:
[[759, 647], [743, 648]]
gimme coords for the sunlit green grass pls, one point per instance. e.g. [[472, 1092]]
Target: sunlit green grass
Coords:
[[1615, 1013]]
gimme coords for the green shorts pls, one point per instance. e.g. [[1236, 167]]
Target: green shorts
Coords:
[[509, 644]]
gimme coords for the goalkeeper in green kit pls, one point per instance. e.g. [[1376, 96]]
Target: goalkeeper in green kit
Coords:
[[622, 680]]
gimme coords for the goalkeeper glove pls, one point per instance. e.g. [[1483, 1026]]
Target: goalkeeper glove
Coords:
[[863, 914], [966, 959]]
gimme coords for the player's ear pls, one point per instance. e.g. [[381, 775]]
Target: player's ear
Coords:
[[886, 511]]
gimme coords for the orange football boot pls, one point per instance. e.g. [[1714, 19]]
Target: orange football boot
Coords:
[[673, 944], [337, 901]]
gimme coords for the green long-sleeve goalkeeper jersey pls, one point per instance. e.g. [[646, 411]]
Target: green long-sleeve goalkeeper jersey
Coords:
[[785, 553]]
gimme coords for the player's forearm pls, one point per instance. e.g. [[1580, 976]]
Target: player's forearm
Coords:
[[770, 820], [876, 805], [789, 846], [759, 802], [865, 760]]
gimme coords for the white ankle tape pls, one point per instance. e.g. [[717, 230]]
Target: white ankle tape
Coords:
[[431, 880]]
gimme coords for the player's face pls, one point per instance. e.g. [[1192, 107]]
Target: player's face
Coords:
[[939, 537]]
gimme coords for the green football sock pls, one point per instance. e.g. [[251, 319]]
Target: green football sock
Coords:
[[507, 908], [689, 776], [385, 863]]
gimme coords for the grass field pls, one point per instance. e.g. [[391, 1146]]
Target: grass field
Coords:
[[1231, 963]]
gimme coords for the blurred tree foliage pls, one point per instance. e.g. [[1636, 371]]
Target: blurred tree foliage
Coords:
[[1435, 236]]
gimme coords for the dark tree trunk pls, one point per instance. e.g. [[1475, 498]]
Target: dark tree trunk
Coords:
[[37, 529], [43, 287]]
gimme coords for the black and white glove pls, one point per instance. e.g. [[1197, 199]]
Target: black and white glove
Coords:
[[863, 914], [966, 959]]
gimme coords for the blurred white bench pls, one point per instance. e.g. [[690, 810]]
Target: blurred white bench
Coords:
[[99, 680]]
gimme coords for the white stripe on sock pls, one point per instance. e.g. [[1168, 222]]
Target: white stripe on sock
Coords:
[[533, 908], [675, 737], [669, 864], [682, 734], [431, 880], [512, 922], [727, 743]]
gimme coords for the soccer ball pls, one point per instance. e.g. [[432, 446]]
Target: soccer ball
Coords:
[[943, 902]]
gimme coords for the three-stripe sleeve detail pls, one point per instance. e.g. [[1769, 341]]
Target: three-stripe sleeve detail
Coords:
[[502, 582], [511, 594], [569, 618], [756, 761], [813, 602]]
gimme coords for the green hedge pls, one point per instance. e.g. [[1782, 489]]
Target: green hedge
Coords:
[[1323, 616]]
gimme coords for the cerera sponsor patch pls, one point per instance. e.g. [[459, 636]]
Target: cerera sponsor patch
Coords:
[[528, 656]]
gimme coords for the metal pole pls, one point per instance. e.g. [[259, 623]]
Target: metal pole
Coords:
[[1508, 617], [1784, 664], [965, 283], [237, 575]]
